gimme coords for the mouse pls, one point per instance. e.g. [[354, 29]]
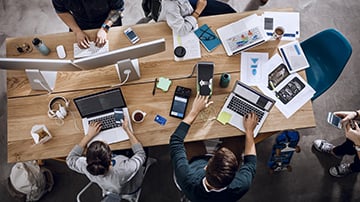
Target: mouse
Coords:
[[60, 51]]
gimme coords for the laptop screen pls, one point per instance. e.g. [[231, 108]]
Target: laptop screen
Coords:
[[100, 103]]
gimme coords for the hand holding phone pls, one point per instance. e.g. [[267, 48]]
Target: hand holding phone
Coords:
[[334, 120], [119, 115], [131, 35]]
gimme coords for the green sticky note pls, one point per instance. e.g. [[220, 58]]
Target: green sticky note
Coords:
[[224, 117], [163, 84]]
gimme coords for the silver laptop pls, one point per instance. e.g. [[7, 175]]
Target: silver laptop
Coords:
[[100, 107], [242, 100]]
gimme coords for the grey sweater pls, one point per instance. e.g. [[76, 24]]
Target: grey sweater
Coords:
[[125, 175]]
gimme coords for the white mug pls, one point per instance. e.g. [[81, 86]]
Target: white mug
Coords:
[[138, 116]]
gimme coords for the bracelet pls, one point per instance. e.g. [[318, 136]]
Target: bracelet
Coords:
[[357, 148], [105, 27], [356, 116], [197, 13]]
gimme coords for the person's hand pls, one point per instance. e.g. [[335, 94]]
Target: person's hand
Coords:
[[200, 6], [201, 102], [82, 39], [353, 133], [345, 115], [250, 121], [101, 37], [94, 129], [125, 123]]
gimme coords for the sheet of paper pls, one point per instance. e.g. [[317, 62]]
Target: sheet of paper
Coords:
[[294, 89], [294, 56], [290, 21], [250, 67], [191, 44]]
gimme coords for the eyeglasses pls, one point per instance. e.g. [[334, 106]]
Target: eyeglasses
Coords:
[[206, 35], [24, 48]]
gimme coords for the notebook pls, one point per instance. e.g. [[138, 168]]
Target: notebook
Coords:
[[242, 34], [100, 106], [242, 100], [207, 37]]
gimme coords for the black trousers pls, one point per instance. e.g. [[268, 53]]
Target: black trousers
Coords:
[[347, 148]]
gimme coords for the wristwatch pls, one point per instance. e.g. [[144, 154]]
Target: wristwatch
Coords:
[[357, 148], [105, 27]]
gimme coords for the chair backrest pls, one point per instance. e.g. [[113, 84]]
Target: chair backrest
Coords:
[[327, 53]]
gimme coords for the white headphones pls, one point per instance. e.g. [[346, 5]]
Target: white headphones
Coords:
[[61, 112]]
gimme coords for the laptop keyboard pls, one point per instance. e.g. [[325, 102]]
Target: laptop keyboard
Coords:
[[108, 122], [239, 106]]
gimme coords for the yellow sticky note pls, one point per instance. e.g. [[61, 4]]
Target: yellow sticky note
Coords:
[[164, 84], [224, 117]]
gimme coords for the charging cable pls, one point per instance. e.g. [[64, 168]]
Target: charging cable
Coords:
[[127, 72], [42, 85]]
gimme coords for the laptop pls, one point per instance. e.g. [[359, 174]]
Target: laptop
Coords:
[[242, 100], [100, 107], [242, 34]]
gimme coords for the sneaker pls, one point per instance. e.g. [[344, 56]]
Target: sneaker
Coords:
[[340, 170], [263, 2], [323, 146]]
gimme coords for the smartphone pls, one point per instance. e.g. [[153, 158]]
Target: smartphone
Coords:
[[205, 72], [334, 120], [119, 115], [180, 102], [131, 35]]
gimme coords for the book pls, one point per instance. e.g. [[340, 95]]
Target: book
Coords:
[[207, 37]]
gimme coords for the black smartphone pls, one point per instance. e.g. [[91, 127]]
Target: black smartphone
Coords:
[[180, 102], [118, 114], [205, 72]]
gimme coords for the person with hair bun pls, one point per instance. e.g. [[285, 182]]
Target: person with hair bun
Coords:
[[116, 174]]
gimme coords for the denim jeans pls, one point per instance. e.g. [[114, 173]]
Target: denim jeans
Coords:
[[214, 7]]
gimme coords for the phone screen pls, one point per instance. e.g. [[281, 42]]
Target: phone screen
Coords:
[[119, 114], [131, 35], [178, 107], [334, 120]]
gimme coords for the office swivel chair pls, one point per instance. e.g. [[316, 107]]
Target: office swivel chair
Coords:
[[111, 197], [327, 53]]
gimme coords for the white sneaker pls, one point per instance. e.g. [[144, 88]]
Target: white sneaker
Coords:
[[325, 146], [340, 170]]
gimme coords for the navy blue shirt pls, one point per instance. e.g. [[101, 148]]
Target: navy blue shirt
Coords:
[[190, 176], [89, 14]]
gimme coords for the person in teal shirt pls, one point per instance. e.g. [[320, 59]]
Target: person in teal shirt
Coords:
[[216, 177]]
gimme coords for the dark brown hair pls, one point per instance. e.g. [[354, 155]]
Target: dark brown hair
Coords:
[[98, 158], [221, 168]]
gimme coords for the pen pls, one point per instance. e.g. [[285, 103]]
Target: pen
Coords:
[[153, 92]]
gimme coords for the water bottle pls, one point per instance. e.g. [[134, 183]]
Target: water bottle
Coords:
[[43, 49], [224, 80]]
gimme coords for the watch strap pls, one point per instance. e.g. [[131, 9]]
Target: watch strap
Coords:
[[105, 27], [357, 148]]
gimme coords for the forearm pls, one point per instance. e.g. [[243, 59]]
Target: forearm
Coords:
[[133, 140], [69, 20], [84, 141], [249, 144], [113, 16], [190, 118]]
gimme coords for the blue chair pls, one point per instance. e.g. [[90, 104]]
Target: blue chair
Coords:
[[327, 53]]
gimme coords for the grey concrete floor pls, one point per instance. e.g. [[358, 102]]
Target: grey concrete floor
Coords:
[[309, 180]]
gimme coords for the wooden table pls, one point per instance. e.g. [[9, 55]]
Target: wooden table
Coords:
[[27, 108]]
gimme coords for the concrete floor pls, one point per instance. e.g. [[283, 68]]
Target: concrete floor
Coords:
[[309, 180]]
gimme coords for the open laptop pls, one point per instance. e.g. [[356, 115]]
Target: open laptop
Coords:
[[241, 101], [100, 107], [242, 34]]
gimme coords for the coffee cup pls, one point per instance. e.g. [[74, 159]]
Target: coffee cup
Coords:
[[278, 32], [138, 116]]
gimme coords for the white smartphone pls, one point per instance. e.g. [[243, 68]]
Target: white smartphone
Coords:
[[334, 120], [131, 35]]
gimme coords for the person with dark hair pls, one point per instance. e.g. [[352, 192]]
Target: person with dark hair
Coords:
[[351, 146], [116, 174], [90, 14], [217, 177]]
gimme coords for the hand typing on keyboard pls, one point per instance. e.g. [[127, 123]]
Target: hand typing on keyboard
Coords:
[[250, 122], [92, 50]]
